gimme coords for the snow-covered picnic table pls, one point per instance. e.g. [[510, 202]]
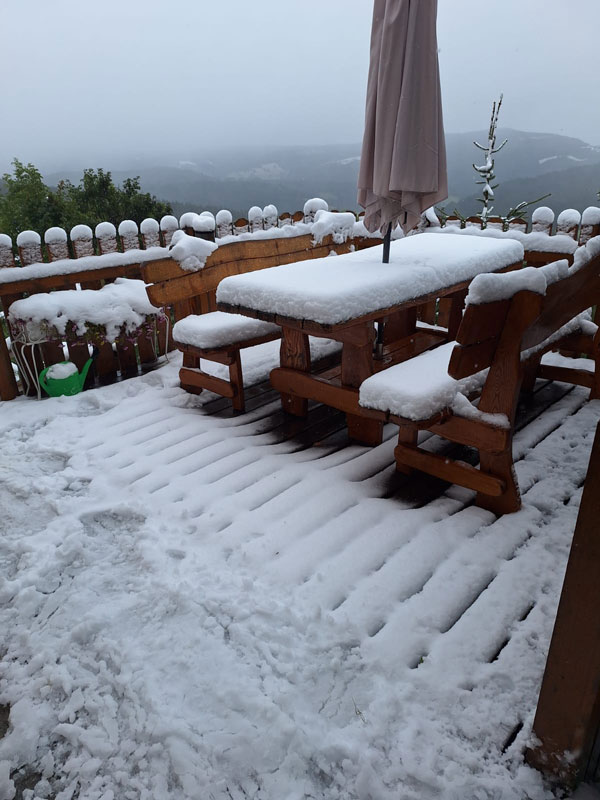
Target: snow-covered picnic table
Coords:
[[340, 298]]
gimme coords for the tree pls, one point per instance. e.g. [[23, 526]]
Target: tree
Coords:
[[486, 171], [487, 176], [29, 204]]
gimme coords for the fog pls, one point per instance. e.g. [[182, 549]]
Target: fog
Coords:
[[109, 82]]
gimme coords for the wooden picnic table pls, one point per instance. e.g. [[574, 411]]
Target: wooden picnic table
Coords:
[[341, 298]]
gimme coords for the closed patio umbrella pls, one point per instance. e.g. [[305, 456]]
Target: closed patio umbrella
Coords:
[[403, 159]]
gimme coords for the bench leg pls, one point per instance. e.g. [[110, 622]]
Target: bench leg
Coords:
[[500, 465], [529, 374], [193, 362], [237, 382], [409, 436]]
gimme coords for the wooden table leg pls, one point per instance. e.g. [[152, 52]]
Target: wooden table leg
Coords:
[[295, 354], [399, 325], [357, 365]]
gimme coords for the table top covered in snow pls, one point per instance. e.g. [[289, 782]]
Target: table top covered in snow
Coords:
[[331, 291]]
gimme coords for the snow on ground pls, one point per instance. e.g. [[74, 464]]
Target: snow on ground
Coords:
[[195, 606]]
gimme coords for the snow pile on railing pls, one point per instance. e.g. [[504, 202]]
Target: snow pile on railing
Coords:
[[340, 226], [189, 252]]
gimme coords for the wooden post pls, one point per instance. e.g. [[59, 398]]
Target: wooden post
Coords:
[[567, 720], [8, 383], [294, 353]]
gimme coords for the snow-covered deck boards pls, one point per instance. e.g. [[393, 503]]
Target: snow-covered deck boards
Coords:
[[205, 605]]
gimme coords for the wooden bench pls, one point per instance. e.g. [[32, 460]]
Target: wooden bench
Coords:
[[510, 322], [202, 332]]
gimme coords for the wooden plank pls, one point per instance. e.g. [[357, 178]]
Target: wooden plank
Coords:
[[409, 347], [580, 377], [66, 281], [567, 719], [539, 258], [146, 349], [8, 382], [469, 359], [202, 380], [482, 322], [452, 471], [476, 352], [315, 387], [564, 300], [473, 433], [127, 358]]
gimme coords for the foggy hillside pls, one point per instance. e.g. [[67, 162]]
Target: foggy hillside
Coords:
[[531, 164]]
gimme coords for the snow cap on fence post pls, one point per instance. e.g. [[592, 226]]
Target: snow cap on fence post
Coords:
[[186, 222], [255, 218], [30, 247], [567, 222], [591, 216], [312, 206], [56, 243], [82, 239], [55, 235], [128, 231], [106, 236], [150, 230], [270, 216], [224, 220], [542, 220], [168, 225], [204, 226], [7, 258]]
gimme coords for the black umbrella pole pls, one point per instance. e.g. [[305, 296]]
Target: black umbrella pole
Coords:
[[386, 245]]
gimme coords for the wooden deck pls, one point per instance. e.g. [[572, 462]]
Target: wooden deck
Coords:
[[440, 609]]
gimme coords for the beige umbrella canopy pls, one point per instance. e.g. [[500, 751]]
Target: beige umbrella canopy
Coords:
[[403, 160]]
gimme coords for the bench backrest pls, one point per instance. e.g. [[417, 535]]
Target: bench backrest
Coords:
[[195, 292], [525, 320]]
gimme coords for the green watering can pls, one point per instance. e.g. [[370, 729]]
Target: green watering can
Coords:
[[63, 378]]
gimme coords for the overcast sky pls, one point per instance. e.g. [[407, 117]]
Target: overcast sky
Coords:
[[98, 80]]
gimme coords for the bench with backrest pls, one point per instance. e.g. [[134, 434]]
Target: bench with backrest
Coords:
[[203, 333], [467, 391]]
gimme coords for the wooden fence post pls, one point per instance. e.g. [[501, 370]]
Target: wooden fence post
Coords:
[[567, 721]]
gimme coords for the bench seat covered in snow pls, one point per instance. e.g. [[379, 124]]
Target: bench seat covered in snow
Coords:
[[510, 322]]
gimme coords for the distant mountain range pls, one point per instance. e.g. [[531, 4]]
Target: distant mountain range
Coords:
[[530, 165]]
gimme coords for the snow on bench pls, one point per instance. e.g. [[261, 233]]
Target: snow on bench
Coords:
[[511, 320], [219, 329]]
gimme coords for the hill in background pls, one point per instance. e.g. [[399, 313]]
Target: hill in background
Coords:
[[530, 165]]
